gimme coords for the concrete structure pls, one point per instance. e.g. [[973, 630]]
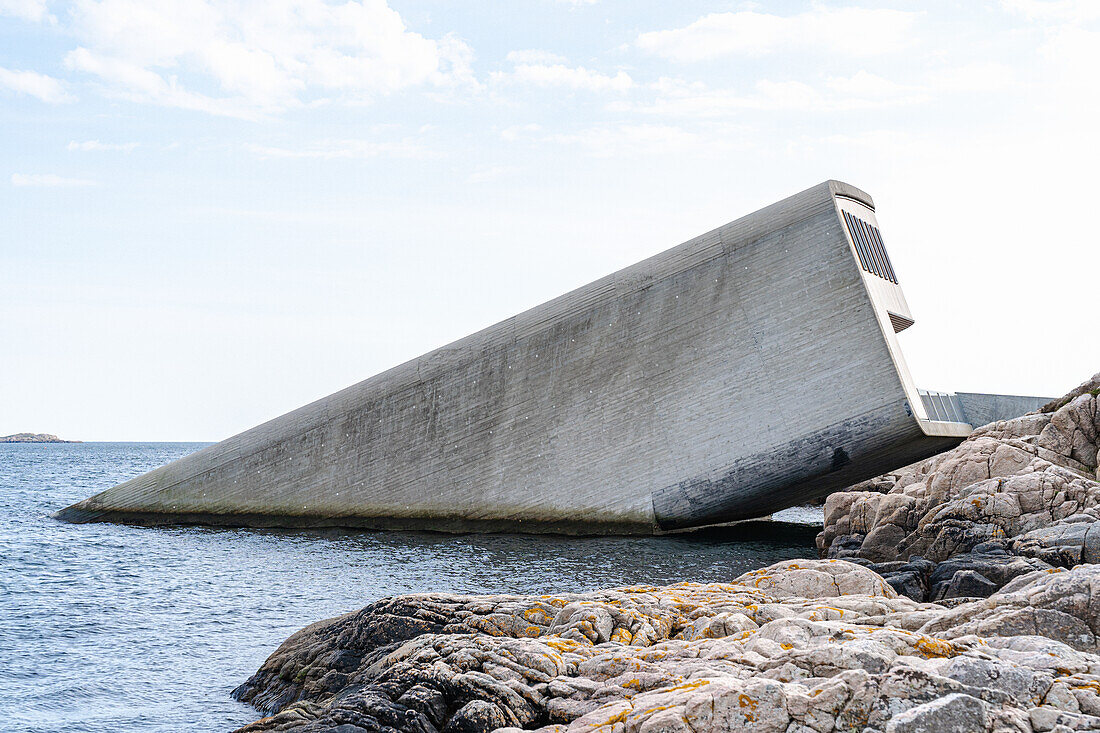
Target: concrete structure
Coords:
[[749, 369]]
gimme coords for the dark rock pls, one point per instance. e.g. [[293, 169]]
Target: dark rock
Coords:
[[965, 584], [428, 701], [921, 565], [907, 577], [908, 584], [885, 568], [476, 716], [845, 547], [994, 565]]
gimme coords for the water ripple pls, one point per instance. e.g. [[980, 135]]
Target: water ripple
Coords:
[[115, 628]]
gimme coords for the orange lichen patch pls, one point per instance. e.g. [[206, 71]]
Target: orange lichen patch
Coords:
[[650, 655], [622, 636], [693, 685], [824, 616], [843, 635], [562, 645], [748, 707], [536, 615], [1079, 684], [786, 646], [488, 629], [936, 648], [617, 718], [650, 711], [639, 589], [532, 631]]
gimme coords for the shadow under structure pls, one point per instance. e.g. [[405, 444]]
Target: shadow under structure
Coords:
[[749, 369]]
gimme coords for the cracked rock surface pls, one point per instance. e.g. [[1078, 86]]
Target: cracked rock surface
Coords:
[[1016, 496], [808, 645]]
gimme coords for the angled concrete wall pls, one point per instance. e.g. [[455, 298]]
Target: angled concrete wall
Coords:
[[981, 408], [743, 371]]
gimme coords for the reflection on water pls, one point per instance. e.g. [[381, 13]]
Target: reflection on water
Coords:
[[111, 628]]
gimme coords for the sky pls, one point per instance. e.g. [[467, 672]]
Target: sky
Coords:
[[212, 213]]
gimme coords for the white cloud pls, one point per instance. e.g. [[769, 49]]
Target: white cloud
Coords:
[[516, 132], [628, 139], [982, 76], [45, 88], [534, 56], [680, 98], [864, 84], [490, 173], [538, 68], [334, 149], [47, 180], [1067, 11], [32, 10], [1070, 57], [844, 31], [608, 141], [240, 59], [571, 77], [96, 145]]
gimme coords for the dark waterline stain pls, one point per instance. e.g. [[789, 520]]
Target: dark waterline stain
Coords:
[[109, 627]]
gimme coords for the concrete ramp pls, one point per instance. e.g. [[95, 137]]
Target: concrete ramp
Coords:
[[744, 371]]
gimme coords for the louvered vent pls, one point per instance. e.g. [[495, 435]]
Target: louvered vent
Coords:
[[900, 323], [869, 247]]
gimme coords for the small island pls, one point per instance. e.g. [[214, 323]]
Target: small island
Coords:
[[34, 438]]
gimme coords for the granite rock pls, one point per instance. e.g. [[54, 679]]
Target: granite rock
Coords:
[[814, 645], [1016, 496]]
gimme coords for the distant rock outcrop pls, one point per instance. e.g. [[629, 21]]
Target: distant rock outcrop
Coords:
[[34, 438]]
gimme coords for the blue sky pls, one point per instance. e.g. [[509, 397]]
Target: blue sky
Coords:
[[215, 212]]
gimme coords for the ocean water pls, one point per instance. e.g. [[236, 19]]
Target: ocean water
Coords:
[[118, 628]]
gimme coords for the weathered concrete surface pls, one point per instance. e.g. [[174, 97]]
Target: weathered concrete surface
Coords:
[[798, 647], [749, 369], [982, 409]]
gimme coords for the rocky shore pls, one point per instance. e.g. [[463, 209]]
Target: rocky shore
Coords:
[[954, 595], [1016, 496]]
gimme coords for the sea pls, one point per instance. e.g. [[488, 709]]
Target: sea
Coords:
[[112, 628]]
